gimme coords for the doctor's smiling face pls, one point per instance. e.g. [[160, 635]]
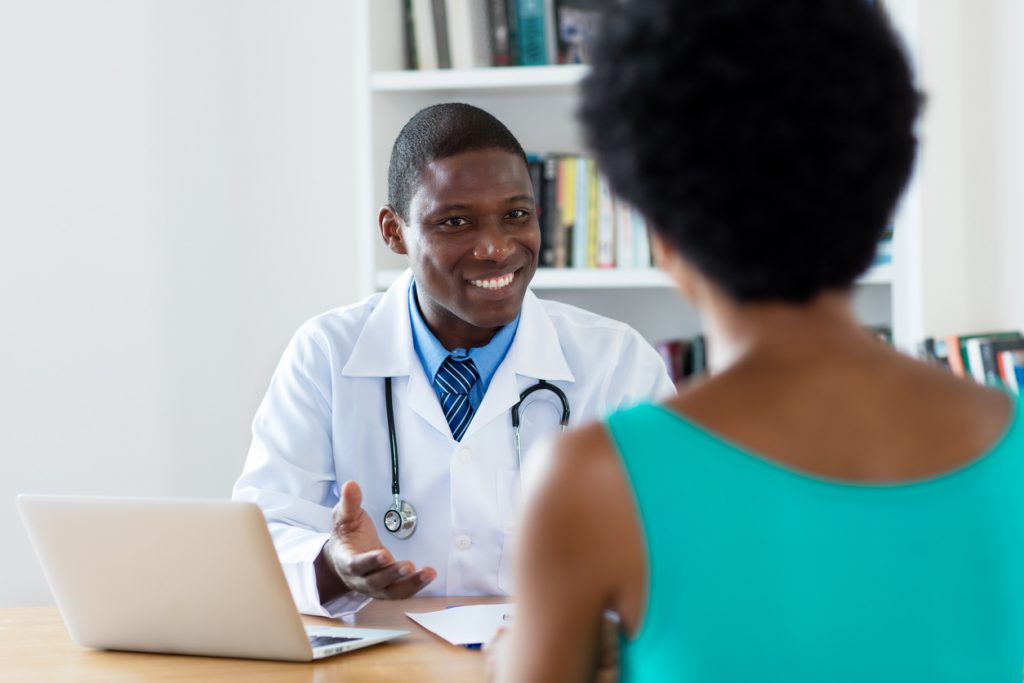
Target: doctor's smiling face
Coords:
[[472, 239]]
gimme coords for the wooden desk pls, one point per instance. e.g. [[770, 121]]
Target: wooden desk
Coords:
[[34, 646]]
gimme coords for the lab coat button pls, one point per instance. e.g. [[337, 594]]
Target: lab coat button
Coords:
[[463, 542], [465, 454]]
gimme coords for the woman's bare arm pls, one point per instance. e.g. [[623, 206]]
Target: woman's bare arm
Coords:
[[577, 549]]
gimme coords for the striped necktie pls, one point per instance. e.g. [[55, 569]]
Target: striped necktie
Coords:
[[454, 379]]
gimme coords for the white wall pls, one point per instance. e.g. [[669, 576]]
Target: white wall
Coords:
[[972, 165], [174, 201], [1008, 74]]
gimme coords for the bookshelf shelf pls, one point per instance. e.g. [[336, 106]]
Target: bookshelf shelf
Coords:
[[506, 79]]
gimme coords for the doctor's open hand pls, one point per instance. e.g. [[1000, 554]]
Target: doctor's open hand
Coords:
[[355, 555]]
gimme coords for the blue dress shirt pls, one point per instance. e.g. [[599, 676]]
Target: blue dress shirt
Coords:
[[431, 353]]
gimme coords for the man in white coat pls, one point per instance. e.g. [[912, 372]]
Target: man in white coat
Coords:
[[457, 338]]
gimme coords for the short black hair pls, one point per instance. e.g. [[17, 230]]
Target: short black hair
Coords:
[[438, 132], [767, 140]]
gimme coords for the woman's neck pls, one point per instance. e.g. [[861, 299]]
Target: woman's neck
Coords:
[[780, 330]]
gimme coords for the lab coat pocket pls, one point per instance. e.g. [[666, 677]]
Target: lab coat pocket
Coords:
[[508, 499]]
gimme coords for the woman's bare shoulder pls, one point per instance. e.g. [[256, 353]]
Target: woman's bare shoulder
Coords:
[[834, 418], [581, 458]]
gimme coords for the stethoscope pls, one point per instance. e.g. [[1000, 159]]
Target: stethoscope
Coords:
[[400, 518]]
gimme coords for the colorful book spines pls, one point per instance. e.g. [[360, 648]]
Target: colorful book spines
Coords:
[[992, 358], [683, 358], [583, 225], [482, 33]]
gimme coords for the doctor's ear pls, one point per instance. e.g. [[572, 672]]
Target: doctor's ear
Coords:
[[391, 225]]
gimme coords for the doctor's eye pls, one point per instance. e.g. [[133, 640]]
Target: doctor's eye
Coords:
[[517, 214], [455, 222]]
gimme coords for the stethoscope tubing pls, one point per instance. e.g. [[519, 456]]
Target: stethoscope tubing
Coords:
[[392, 438], [405, 511]]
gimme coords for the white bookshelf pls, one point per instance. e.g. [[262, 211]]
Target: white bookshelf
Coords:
[[538, 104], [509, 80]]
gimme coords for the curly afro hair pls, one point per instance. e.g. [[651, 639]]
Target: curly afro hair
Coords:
[[767, 140]]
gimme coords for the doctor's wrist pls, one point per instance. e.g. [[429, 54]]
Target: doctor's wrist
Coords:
[[329, 584]]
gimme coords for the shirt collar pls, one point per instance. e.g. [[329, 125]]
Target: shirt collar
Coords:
[[432, 353]]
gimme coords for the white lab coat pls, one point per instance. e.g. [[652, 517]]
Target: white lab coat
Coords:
[[323, 421]]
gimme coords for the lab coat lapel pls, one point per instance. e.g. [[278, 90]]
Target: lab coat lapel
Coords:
[[385, 349], [423, 400], [535, 354]]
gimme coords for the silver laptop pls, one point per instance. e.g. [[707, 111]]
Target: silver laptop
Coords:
[[175, 576]]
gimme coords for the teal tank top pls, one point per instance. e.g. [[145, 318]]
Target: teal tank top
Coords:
[[760, 573]]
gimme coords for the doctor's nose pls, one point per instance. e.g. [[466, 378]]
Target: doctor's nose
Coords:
[[493, 242]]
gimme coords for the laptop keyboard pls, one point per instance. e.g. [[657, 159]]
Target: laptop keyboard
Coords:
[[320, 641]]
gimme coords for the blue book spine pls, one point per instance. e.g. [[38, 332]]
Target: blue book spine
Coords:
[[530, 32], [1018, 370]]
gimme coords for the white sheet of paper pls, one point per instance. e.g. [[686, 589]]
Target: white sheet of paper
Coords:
[[467, 624]]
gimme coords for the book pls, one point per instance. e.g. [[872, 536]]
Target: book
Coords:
[[956, 346], [549, 211], [989, 350], [683, 358], [592, 215], [1015, 371], [577, 26], [699, 356], [424, 36], [512, 18], [675, 353], [933, 350], [497, 16], [1008, 362], [580, 225], [567, 212], [530, 29], [642, 257], [926, 349], [550, 40], [605, 224], [971, 345], [623, 234], [883, 252], [469, 33], [535, 165], [444, 54], [408, 26]]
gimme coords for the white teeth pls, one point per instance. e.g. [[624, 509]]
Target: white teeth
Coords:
[[494, 282]]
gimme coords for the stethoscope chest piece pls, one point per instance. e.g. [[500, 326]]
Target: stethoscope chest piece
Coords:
[[400, 519]]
